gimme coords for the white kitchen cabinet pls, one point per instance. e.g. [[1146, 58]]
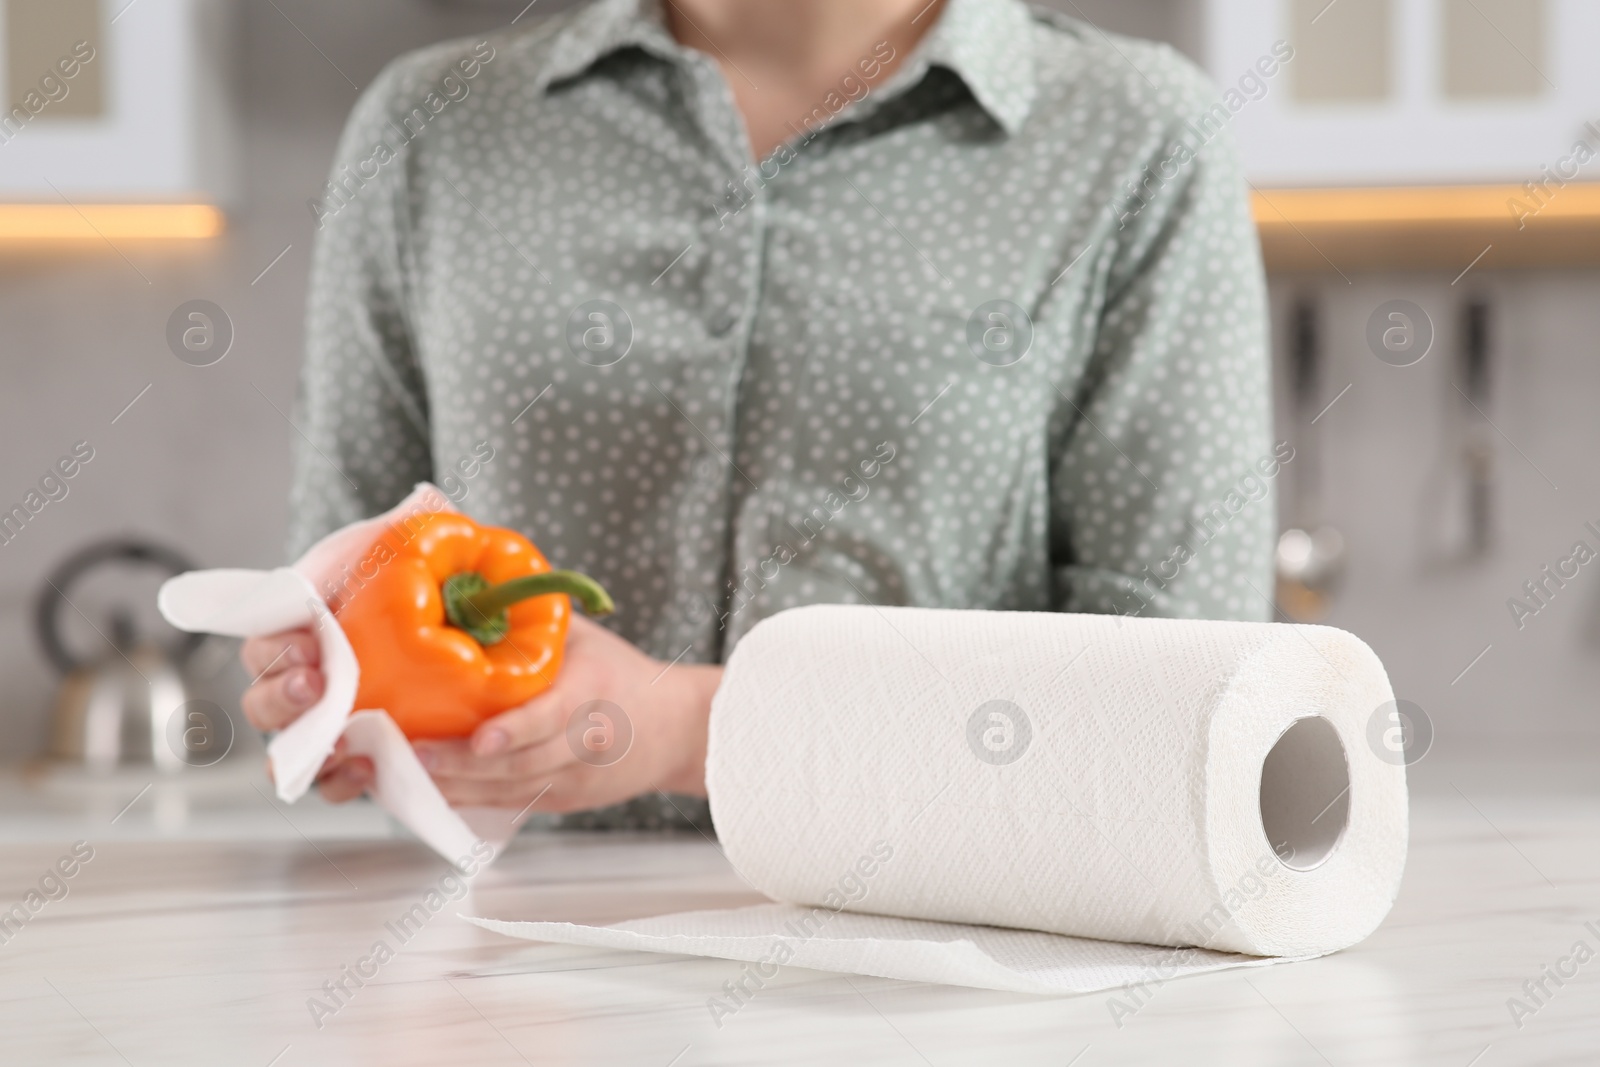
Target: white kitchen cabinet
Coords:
[[146, 117], [1409, 92]]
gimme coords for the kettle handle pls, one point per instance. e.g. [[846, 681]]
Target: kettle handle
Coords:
[[47, 608]]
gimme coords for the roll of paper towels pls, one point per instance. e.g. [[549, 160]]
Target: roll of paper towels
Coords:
[[896, 774]]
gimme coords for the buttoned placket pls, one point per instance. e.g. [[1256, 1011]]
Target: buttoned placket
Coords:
[[729, 259], [736, 235]]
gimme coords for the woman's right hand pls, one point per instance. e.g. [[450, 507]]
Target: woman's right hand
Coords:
[[287, 670]]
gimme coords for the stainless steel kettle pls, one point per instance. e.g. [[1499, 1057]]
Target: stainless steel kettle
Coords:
[[115, 706]]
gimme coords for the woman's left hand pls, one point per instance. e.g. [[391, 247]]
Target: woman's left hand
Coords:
[[528, 756]]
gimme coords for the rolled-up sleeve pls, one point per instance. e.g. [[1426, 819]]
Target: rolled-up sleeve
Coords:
[[1162, 475], [361, 415]]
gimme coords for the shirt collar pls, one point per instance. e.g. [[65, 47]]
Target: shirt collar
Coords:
[[987, 43], [601, 28]]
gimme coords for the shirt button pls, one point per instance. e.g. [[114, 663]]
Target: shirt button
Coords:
[[722, 322], [708, 470]]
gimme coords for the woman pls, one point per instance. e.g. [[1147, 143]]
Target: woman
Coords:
[[738, 305]]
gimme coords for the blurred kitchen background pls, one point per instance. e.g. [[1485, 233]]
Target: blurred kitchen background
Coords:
[[1389, 155]]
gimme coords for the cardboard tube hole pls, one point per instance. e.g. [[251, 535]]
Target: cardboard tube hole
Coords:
[[1305, 793]]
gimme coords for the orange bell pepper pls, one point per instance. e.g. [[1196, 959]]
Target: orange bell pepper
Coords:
[[458, 623]]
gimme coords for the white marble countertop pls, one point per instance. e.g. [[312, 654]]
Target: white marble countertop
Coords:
[[200, 935]]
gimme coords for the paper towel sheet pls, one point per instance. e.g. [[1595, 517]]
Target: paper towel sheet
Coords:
[[995, 798], [248, 603], [913, 950]]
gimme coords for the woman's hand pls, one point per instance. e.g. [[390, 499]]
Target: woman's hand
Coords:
[[525, 753], [287, 668], [528, 756]]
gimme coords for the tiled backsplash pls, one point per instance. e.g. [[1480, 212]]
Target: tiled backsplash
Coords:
[[1394, 469]]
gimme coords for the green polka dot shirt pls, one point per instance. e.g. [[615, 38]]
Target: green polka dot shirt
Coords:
[[988, 332]]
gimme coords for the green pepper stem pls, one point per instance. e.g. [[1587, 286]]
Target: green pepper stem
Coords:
[[472, 604], [497, 598]]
